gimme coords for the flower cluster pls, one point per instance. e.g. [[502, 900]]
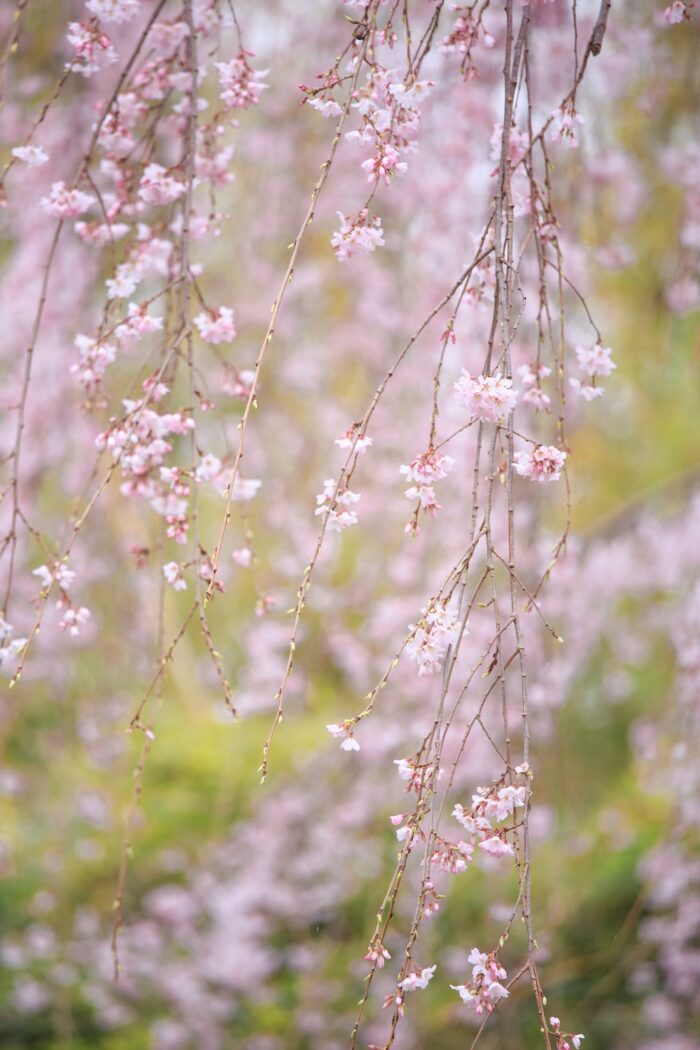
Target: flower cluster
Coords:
[[416, 979], [388, 109], [565, 1040], [485, 989], [73, 616], [117, 11], [358, 235], [240, 84], [350, 439], [34, 156], [95, 356], [377, 954], [424, 471], [159, 187], [543, 463], [466, 33], [344, 732], [531, 380], [438, 627], [66, 203], [677, 12], [416, 775], [10, 647], [451, 857], [486, 397], [93, 50], [594, 362], [330, 500], [139, 444], [567, 120], [217, 326], [489, 808]]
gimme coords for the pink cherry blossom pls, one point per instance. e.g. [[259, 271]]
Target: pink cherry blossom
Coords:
[[216, 327], [596, 360], [66, 203], [158, 187], [114, 10], [357, 236], [496, 847], [543, 463], [243, 556], [417, 979], [241, 86], [93, 48], [33, 156], [330, 500], [173, 574], [344, 732], [486, 397]]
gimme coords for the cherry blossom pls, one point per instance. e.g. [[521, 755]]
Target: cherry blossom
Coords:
[[73, 619], [496, 847], [33, 156], [241, 86], [432, 636], [596, 360], [114, 10], [488, 397], [351, 440], [357, 236], [216, 327], [93, 48], [416, 980], [377, 953], [565, 131], [424, 471], [66, 203], [533, 394], [326, 107], [543, 463], [173, 574], [330, 499], [345, 734], [677, 12], [485, 989], [158, 187], [10, 647]]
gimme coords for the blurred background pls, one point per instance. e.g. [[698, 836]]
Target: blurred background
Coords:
[[247, 909]]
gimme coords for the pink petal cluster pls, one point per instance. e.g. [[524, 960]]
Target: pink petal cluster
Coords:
[[158, 187], [485, 988], [357, 236], [424, 471], [543, 463], [344, 732], [66, 203], [93, 49], [34, 156], [437, 629], [417, 979], [534, 395], [486, 397], [241, 85], [330, 500], [217, 326], [114, 10]]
